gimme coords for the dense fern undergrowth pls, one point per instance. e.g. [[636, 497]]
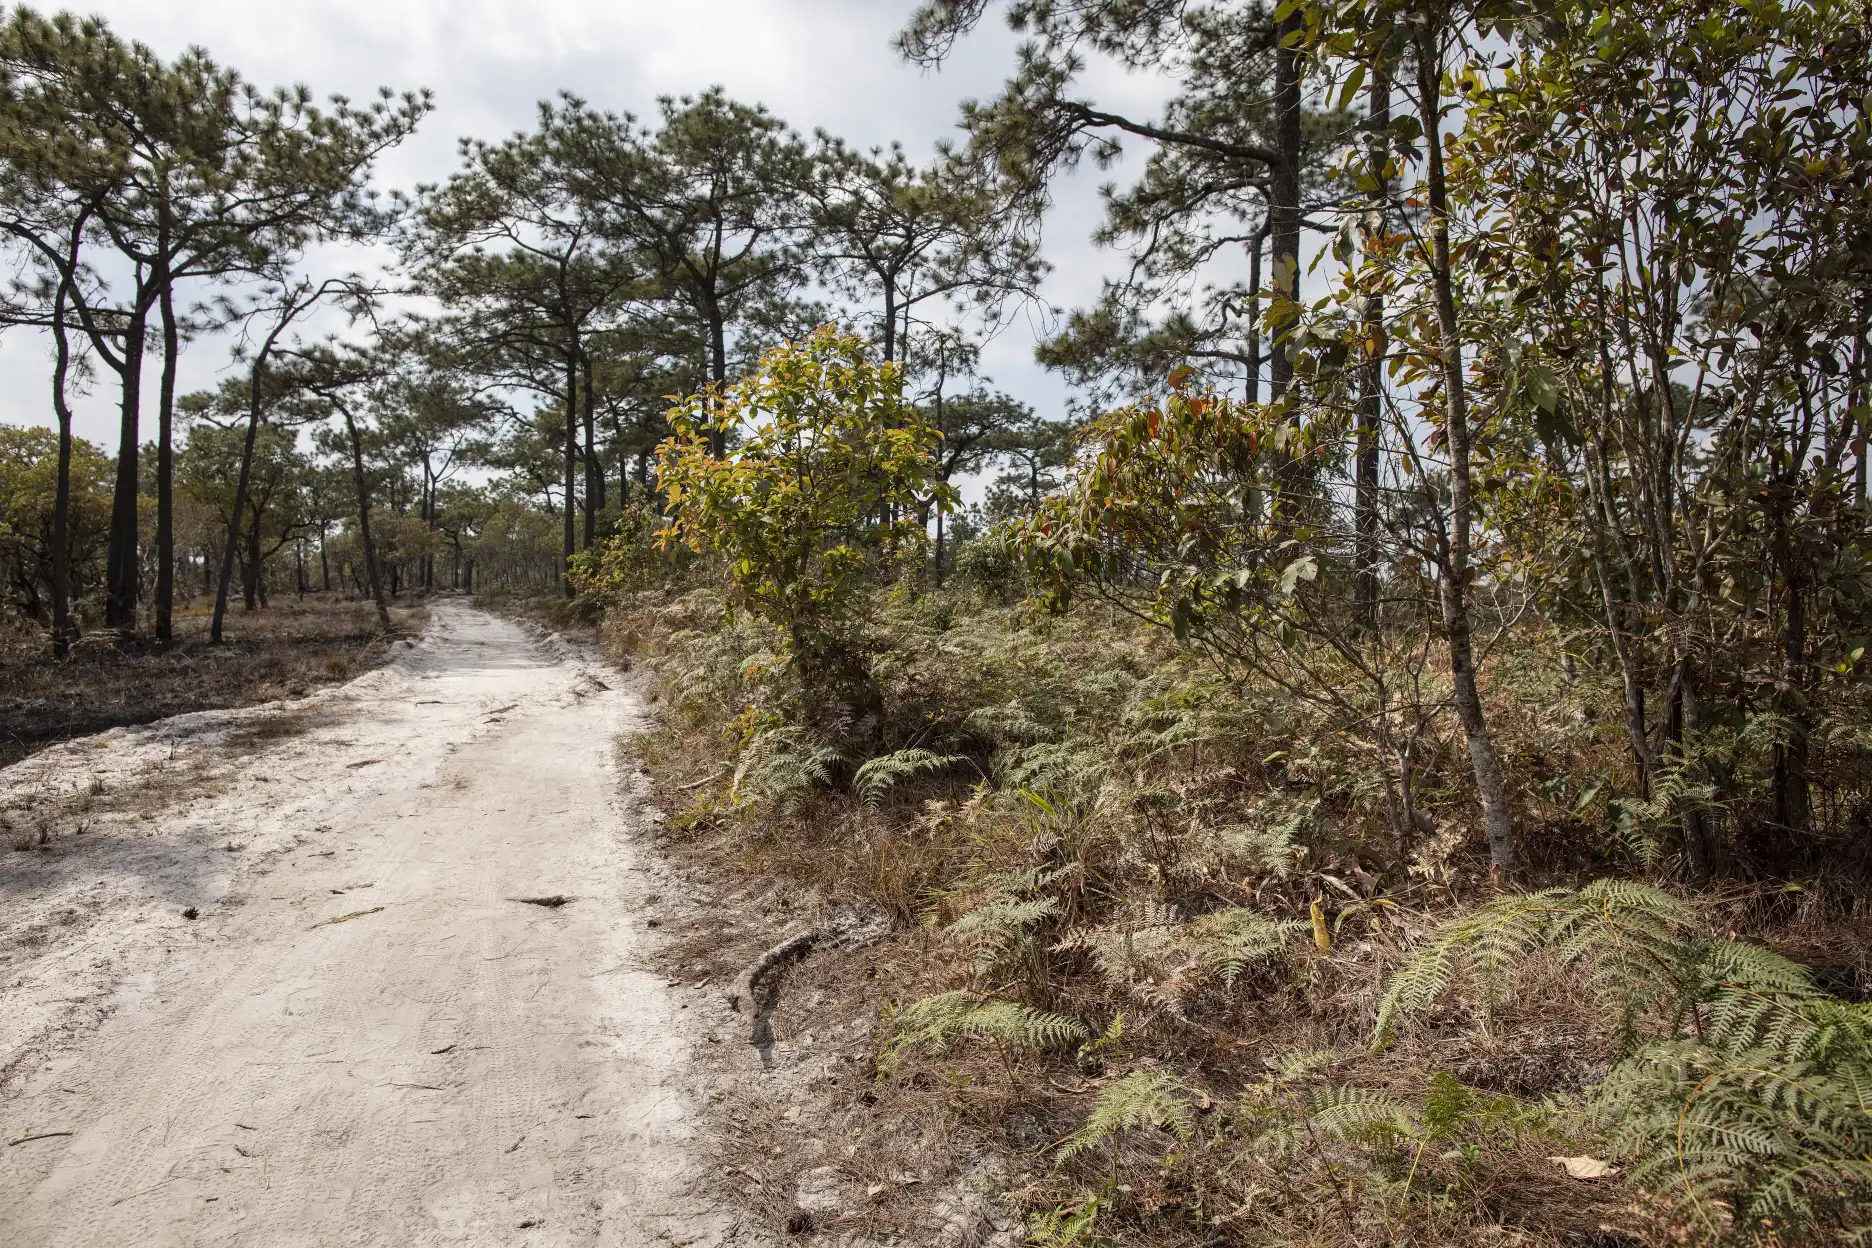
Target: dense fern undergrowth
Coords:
[[1165, 909]]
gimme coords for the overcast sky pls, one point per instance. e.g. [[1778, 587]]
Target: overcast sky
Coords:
[[816, 63]]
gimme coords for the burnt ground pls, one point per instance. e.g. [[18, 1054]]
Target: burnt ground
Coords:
[[288, 648]]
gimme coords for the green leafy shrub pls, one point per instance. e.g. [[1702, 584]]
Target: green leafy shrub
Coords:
[[814, 508]]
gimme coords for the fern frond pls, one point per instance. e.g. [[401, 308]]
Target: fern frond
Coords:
[[1363, 1115], [939, 1020], [998, 928], [1072, 770], [1294, 1066], [782, 765], [1777, 1134], [1631, 938], [878, 776], [1061, 1227], [1488, 941], [1230, 942], [1146, 1098]]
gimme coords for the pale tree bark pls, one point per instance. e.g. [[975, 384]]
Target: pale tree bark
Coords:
[[1456, 572], [1371, 381]]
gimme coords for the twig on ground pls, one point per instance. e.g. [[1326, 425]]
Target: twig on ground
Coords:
[[344, 918], [43, 1135]]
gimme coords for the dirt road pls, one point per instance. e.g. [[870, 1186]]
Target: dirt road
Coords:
[[364, 1038]]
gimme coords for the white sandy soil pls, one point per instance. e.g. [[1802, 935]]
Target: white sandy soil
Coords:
[[363, 1038]]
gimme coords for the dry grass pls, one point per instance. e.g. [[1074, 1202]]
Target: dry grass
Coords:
[[893, 1147], [283, 650], [901, 1143]]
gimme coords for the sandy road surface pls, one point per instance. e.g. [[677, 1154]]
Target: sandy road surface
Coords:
[[363, 1039]]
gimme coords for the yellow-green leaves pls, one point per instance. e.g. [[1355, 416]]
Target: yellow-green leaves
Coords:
[[824, 495]]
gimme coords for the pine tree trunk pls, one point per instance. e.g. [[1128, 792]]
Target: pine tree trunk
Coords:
[[594, 468], [63, 631], [718, 372], [250, 583], [234, 517], [1256, 246], [1371, 381], [571, 463], [165, 468], [358, 480], [121, 570]]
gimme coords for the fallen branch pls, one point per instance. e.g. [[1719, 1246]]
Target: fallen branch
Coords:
[[43, 1135], [685, 788], [344, 918]]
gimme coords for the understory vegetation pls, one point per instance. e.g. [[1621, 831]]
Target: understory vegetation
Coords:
[[1178, 898]]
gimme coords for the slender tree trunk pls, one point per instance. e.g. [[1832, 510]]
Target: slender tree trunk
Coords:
[[942, 431], [718, 376], [429, 523], [255, 377], [1284, 192], [240, 505], [364, 534], [121, 571], [1686, 721], [63, 632], [571, 463], [1491, 784], [1791, 799], [165, 467], [939, 543], [250, 584], [324, 563], [1371, 381], [594, 468], [890, 321], [1861, 368], [1256, 246]]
